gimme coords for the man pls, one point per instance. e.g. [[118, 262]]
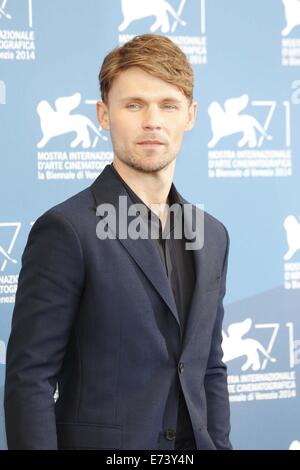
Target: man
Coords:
[[127, 328]]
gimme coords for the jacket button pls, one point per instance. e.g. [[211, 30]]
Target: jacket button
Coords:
[[180, 367], [170, 434]]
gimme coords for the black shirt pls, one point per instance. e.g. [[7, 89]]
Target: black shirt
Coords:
[[179, 267]]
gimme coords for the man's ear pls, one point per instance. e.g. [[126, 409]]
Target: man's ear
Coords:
[[192, 113], [102, 115]]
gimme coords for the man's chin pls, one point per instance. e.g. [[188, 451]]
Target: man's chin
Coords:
[[150, 165]]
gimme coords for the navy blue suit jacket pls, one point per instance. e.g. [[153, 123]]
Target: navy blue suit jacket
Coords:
[[98, 319]]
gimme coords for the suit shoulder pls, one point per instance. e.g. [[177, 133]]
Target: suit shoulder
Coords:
[[215, 223], [212, 225], [215, 227], [209, 219], [75, 203], [73, 209]]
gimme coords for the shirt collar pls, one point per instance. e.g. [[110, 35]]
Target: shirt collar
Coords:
[[173, 198]]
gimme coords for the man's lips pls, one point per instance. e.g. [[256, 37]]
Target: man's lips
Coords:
[[150, 142]]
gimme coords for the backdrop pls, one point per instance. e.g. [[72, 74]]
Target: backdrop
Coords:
[[242, 161]]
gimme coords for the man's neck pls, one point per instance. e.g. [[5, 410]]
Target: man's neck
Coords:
[[152, 188]]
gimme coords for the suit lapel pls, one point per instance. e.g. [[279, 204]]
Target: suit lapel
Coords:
[[199, 255], [106, 189]]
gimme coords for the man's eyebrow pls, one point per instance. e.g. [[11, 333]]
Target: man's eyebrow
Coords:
[[140, 98]]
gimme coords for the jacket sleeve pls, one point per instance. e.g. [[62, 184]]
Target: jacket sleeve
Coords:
[[47, 298], [215, 383]]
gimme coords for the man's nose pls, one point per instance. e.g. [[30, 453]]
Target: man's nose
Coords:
[[152, 118]]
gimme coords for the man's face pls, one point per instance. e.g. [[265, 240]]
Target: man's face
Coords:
[[147, 118]]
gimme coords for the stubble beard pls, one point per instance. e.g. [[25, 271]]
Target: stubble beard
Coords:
[[145, 165]]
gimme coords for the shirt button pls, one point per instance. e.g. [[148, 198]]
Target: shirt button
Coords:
[[180, 367], [170, 434]]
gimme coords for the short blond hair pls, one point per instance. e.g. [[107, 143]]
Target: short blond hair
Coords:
[[155, 54]]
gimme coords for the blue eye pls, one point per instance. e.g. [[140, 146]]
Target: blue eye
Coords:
[[136, 106], [133, 106], [170, 106]]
